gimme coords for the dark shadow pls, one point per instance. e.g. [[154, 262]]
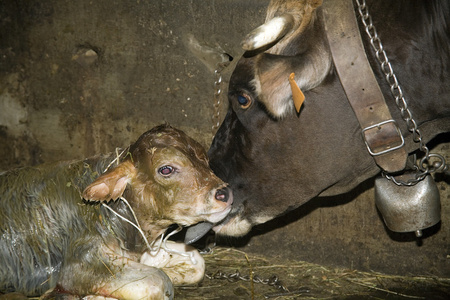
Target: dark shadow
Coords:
[[297, 214], [442, 138]]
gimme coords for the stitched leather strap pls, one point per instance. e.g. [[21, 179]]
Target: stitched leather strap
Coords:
[[380, 132]]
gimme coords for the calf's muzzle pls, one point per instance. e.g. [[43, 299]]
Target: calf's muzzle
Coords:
[[195, 232], [223, 194]]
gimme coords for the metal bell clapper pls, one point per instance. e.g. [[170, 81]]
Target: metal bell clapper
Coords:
[[408, 208]]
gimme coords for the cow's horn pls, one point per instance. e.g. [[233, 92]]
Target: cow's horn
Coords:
[[268, 33]]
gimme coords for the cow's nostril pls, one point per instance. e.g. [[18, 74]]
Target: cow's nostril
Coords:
[[222, 195]]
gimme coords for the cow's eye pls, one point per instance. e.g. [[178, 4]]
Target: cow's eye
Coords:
[[166, 171], [244, 100]]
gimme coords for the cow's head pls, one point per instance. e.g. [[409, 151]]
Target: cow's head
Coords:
[[274, 159], [166, 179], [291, 40]]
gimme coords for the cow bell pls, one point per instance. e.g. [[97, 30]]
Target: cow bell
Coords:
[[408, 208]]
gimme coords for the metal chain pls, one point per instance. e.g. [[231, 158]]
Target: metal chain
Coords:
[[425, 166], [236, 276], [217, 95]]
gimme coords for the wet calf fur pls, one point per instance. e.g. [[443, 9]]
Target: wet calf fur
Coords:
[[56, 232]]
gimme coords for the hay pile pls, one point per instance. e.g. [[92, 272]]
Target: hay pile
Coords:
[[236, 275], [302, 280]]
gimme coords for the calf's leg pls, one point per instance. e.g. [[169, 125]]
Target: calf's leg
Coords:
[[137, 281], [180, 269]]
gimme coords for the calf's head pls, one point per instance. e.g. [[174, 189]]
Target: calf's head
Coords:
[[166, 178]]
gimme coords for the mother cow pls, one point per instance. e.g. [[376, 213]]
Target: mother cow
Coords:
[[275, 159]]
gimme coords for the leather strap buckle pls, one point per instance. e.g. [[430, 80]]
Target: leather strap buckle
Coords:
[[387, 132]]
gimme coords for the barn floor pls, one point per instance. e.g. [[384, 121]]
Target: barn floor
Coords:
[[228, 271], [302, 280]]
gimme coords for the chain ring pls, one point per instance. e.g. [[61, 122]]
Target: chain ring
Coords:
[[424, 167]]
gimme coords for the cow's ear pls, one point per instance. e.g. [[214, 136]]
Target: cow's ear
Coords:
[[272, 83], [111, 184]]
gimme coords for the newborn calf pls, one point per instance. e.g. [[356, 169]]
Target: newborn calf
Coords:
[[63, 231]]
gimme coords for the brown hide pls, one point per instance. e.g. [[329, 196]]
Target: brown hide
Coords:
[[52, 237], [276, 161]]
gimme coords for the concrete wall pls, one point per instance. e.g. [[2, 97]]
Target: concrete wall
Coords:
[[83, 77]]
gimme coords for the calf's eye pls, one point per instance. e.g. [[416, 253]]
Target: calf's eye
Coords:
[[244, 100], [166, 170]]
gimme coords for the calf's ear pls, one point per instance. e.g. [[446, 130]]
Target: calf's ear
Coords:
[[111, 184]]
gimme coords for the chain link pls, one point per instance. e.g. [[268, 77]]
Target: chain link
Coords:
[[236, 276], [218, 83], [425, 166]]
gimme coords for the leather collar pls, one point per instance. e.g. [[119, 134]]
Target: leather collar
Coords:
[[380, 132]]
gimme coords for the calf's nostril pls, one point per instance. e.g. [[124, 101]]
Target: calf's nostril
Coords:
[[222, 195]]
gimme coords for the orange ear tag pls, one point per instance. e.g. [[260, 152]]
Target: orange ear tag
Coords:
[[297, 94]]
